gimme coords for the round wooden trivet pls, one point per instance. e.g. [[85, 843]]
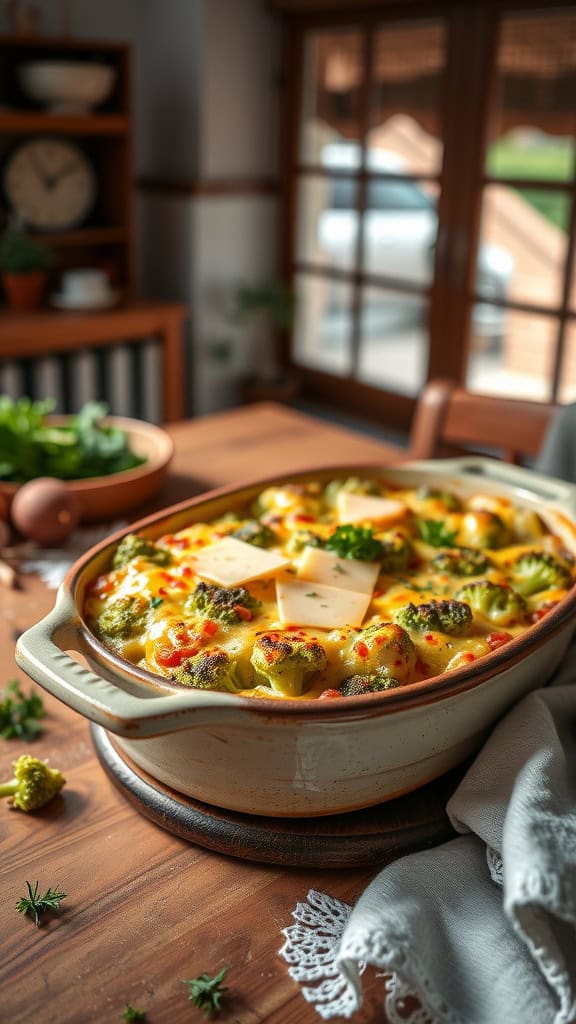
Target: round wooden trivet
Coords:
[[372, 836]]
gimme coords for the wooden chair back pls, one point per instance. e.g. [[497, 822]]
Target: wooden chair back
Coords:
[[450, 421]]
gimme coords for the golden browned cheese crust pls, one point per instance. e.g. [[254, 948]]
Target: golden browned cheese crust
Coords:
[[444, 579]]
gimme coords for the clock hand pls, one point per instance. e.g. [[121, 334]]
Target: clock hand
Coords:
[[68, 168], [44, 177]]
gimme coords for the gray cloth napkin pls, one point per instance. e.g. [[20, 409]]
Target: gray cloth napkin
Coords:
[[481, 930]]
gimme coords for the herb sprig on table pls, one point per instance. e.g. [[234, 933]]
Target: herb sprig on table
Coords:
[[206, 992], [35, 903], [31, 446], [20, 714]]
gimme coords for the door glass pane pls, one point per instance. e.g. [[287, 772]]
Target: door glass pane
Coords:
[[333, 72], [400, 226], [567, 389], [534, 118], [323, 324], [393, 340], [522, 253], [327, 221], [511, 353], [405, 128]]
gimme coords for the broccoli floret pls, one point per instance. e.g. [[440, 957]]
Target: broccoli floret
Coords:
[[301, 539], [396, 552], [462, 562], [292, 497], [351, 485], [483, 529], [253, 532], [132, 546], [356, 542], [227, 604], [34, 783], [451, 617], [211, 669], [123, 618], [287, 663], [372, 682], [538, 570], [500, 604], [438, 497], [383, 646]]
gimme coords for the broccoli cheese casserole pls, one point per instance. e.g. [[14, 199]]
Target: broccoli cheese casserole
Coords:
[[330, 590]]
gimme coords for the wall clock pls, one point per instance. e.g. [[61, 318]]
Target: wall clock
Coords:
[[50, 183]]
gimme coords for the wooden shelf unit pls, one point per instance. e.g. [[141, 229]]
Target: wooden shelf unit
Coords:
[[106, 238]]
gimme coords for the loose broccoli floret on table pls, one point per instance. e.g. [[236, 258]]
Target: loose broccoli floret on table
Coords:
[[461, 562], [383, 646], [451, 617], [253, 532], [371, 682], [34, 783], [211, 669], [396, 552], [500, 604], [132, 546], [539, 570], [227, 604], [483, 529], [123, 618], [350, 485], [288, 663]]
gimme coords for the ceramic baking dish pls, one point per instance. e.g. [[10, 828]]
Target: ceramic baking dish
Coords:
[[302, 757]]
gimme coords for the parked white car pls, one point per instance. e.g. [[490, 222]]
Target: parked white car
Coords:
[[400, 227]]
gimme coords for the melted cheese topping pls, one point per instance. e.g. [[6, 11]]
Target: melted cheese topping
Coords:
[[257, 602]]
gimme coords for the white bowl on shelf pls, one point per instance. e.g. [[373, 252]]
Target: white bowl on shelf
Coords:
[[66, 87]]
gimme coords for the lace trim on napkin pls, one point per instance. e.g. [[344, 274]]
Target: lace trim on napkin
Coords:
[[312, 950]]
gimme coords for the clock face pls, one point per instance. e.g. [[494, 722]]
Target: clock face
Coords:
[[50, 184]]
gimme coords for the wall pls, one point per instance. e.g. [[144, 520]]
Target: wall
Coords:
[[205, 103]]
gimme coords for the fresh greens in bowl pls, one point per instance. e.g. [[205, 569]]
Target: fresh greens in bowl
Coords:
[[82, 447]]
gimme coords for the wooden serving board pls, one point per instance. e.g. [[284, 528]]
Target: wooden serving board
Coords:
[[373, 836]]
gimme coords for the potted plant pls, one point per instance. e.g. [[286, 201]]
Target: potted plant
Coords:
[[24, 263], [268, 310]]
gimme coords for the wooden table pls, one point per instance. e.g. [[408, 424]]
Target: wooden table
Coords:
[[52, 331], [146, 909]]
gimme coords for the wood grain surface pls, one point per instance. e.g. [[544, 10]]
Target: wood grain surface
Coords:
[[146, 909]]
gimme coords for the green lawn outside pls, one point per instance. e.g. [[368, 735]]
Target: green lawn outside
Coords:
[[551, 161]]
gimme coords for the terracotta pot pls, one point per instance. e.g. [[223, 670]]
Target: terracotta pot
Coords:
[[24, 291], [302, 757]]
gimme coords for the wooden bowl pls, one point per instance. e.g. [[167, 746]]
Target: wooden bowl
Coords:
[[110, 497]]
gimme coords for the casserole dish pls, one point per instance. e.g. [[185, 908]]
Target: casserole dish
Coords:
[[303, 757]]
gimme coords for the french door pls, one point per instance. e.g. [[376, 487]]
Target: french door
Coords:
[[430, 202]]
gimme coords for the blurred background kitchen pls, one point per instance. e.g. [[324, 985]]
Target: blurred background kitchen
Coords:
[[319, 202]]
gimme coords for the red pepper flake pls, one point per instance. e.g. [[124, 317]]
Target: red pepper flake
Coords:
[[180, 543], [496, 640], [377, 593], [162, 591], [468, 656], [172, 657], [361, 649], [165, 576], [329, 694], [301, 517], [242, 612], [186, 571], [539, 613], [430, 638], [209, 628]]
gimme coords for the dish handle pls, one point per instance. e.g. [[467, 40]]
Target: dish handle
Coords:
[[41, 653], [481, 467]]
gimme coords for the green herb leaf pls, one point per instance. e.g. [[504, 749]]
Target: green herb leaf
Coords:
[[356, 542], [35, 904], [206, 992], [131, 1013], [436, 533], [20, 714], [155, 602]]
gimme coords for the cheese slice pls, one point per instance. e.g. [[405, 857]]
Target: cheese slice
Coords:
[[361, 508], [343, 573], [231, 561], [304, 603]]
